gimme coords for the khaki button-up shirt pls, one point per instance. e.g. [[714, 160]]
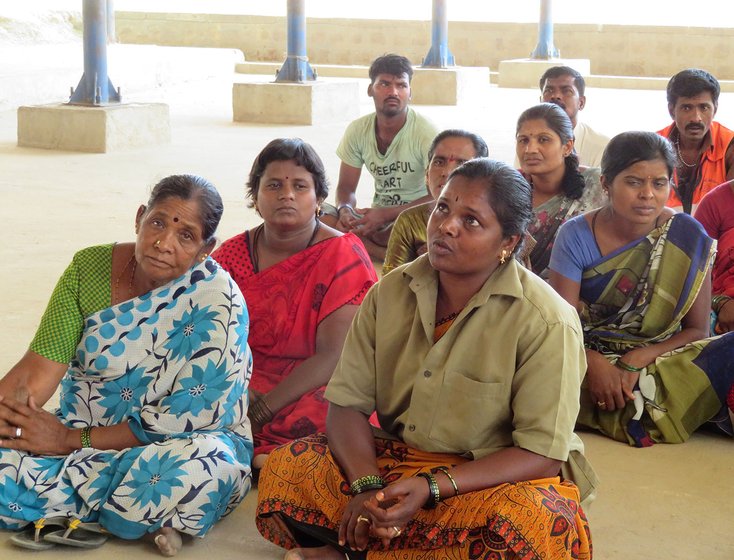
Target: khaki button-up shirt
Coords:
[[507, 372]]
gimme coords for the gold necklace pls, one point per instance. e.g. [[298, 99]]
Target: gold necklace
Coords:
[[680, 157], [130, 282]]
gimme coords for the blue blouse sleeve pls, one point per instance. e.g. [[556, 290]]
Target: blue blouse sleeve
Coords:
[[574, 250]]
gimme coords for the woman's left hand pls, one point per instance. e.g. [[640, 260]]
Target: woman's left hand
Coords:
[[40, 432], [395, 506]]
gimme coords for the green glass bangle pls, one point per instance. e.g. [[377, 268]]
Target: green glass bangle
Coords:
[[365, 483], [86, 437], [626, 367], [434, 495]]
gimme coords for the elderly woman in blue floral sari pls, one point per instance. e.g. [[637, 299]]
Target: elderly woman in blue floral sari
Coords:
[[639, 274], [148, 342]]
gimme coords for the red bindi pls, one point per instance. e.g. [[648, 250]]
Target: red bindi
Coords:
[[175, 219]]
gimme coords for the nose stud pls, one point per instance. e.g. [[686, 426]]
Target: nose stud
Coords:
[[157, 243]]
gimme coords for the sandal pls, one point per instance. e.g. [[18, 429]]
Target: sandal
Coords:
[[33, 537], [78, 534]]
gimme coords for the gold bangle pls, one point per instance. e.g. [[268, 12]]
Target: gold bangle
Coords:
[[445, 471], [86, 437]]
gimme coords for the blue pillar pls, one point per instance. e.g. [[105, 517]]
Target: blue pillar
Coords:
[[95, 87], [111, 34], [296, 67], [545, 48], [439, 55]]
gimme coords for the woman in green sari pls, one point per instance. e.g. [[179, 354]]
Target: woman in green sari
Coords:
[[638, 273]]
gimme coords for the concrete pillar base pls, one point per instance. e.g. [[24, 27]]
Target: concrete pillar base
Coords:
[[449, 86], [306, 104], [525, 72], [93, 129]]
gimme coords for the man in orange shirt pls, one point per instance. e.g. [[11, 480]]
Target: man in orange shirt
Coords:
[[704, 147]]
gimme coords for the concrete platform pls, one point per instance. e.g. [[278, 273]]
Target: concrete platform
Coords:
[[449, 86], [525, 72], [93, 129], [309, 103], [322, 70]]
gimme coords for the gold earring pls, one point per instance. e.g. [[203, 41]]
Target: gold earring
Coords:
[[318, 212], [203, 257], [503, 256]]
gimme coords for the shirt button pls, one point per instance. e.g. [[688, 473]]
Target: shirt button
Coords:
[[411, 428], [427, 373]]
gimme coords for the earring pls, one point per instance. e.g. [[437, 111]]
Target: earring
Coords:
[[318, 212], [503, 256], [203, 257], [157, 243]]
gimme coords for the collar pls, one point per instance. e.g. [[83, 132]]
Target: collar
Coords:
[[504, 281]]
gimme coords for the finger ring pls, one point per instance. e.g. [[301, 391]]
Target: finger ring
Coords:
[[363, 518], [601, 403], [18, 432], [397, 531]]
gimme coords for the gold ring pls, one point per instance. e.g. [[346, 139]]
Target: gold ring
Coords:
[[363, 518], [18, 432], [601, 403], [397, 530]]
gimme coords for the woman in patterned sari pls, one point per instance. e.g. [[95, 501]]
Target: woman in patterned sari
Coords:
[[561, 189], [148, 341], [303, 282], [432, 344], [639, 275]]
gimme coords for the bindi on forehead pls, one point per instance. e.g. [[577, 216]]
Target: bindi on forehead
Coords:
[[175, 218]]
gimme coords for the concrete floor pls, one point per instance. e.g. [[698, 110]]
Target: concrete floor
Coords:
[[672, 502]]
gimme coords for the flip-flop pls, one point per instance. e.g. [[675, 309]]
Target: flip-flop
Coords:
[[32, 537], [75, 536]]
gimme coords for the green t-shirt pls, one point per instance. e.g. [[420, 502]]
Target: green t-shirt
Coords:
[[83, 289], [400, 173]]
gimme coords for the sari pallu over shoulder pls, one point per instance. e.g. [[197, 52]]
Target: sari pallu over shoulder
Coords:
[[638, 296], [174, 365], [194, 328]]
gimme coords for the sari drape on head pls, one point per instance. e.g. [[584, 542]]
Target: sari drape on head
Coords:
[[637, 296], [174, 365], [287, 303]]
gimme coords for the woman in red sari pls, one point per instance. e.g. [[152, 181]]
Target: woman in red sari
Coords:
[[302, 282]]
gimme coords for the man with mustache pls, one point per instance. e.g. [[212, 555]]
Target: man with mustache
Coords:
[[565, 87], [393, 144], [704, 147]]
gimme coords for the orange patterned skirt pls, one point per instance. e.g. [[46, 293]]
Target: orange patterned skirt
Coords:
[[302, 482]]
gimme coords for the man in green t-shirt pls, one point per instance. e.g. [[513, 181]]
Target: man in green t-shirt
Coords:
[[392, 143]]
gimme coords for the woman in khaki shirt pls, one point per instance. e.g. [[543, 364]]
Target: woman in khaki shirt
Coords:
[[473, 365]]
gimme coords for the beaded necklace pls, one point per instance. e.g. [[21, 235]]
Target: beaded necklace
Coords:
[[130, 282]]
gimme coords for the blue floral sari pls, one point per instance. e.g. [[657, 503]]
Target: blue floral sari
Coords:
[[174, 364]]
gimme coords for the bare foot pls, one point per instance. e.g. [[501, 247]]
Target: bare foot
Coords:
[[322, 552], [168, 541], [259, 460]]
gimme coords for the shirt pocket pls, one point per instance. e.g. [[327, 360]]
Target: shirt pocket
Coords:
[[469, 412]]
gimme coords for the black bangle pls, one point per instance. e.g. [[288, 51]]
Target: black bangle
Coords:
[[434, 496], [366, 483]]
